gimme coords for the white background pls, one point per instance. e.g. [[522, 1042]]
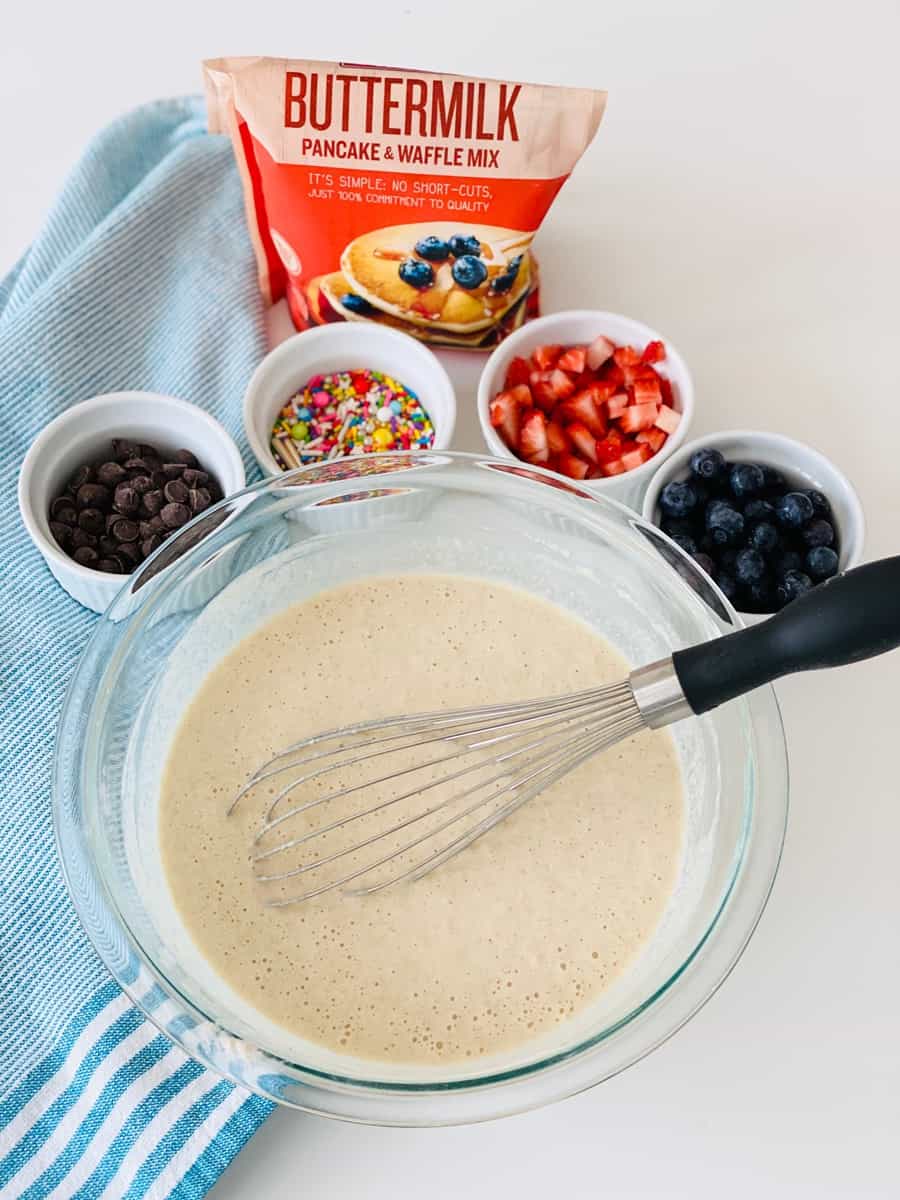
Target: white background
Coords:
[[742, 196]]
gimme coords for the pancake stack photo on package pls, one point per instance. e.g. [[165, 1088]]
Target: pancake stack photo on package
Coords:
[[398, 197]]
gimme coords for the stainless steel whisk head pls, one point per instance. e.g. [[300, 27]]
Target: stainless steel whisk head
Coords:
[[419, 789], [374, 804]]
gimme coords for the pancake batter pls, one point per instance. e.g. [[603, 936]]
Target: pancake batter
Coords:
[[512, 937]]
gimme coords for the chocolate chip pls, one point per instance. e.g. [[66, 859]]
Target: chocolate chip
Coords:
[[175, 515], [62, 509], [215, 491], [136, 466], [145, 450], [141, 484], [62, 533], [199, 499], [126, 499], [131, 552], [79, 477], [123, 449], [86, 556], [145, 530], [176, 492], [195, 478], [110, 473], [151, 503], [92, 495], [158, 525], [124, 530], [150, 544], [159, 478], [81, 537], [111, 566], [173, 470], [92, 520], [186, 457], [108, 544]]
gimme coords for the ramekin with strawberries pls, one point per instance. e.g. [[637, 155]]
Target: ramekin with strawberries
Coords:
[[595, 396]]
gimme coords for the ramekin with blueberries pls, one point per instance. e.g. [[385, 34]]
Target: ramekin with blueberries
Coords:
[[763, 540]]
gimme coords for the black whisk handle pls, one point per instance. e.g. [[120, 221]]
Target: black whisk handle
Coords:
[[851, 617]]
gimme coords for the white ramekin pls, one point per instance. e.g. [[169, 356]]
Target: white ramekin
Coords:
[[350, 345], [583, 325], [801, 465], [82, 434]]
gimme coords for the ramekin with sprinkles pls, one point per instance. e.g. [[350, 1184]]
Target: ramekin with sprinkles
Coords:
[[349, 412]]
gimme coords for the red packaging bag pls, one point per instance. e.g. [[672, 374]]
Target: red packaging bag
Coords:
[[402, 197]]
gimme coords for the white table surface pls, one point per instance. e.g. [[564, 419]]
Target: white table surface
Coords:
[[742, 196]]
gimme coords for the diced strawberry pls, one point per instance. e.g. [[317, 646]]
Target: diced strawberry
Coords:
[[596, 472], [533, 435], [613, 373], [582, 408], [617, 404], [541, 459], [616, 467], [517, 372], [557, 439], [653, 352], [647, 390], [609, 449], [506, 416], [599, 392], [583, 440], [544, 357], [640, 371], [637, 417], [562, 385], [626, 356], [666, 388], [542, 390], [667, 418], [599, 351], [655, 438], [573, 360], [636, 457], [572, 465]]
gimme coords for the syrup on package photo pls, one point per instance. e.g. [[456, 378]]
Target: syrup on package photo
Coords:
[[401, 197]]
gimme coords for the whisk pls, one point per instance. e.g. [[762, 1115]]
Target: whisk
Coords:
[[441, 780]]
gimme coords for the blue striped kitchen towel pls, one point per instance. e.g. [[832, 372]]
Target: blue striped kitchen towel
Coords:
[[142, 277]]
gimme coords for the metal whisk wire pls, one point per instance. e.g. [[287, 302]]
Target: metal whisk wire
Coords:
[[559, 733]]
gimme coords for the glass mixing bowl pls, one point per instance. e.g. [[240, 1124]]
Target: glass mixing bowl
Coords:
[[288, 538]]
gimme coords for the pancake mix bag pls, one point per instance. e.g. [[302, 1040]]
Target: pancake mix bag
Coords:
[[401, 197]]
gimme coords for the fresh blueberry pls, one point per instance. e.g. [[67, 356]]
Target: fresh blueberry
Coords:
[[773, 481], [787, 562], [760, 596], [764, 537], [469, 271], [687, 543], [433, 248], [416, 273], [727, 585], [818, 532], [705, 563], [678, 498], [820, 504], [461, 244], [726, 557], [793, 510], [702, 492], [356, 304], [791, 585], [677, 526], [708, 465], [758, 510], [745, 480], [749, 567], [724, 523], [821, 562], [502, 283]]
